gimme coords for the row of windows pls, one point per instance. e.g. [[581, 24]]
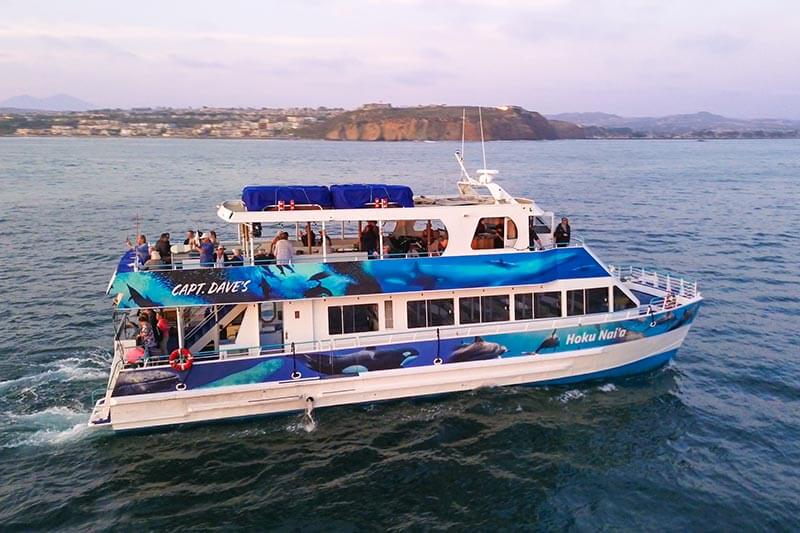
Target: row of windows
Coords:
[[476, 309]]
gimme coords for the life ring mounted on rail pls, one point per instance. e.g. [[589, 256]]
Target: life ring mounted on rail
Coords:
[[181, 359]]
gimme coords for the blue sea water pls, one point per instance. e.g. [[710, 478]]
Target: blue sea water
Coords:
[[709, 442]]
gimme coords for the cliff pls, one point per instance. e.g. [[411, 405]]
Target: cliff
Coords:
[[439, 123]]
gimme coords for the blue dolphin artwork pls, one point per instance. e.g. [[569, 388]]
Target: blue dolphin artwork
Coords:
[[246, 284]]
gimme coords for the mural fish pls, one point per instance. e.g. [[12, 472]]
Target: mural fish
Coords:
[[478, 350], [258, 373]]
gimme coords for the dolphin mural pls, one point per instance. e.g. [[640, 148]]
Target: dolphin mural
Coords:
[[365, 360], [477, 350]]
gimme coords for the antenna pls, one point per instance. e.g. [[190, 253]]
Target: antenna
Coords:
[[483, 148], [463, 128]]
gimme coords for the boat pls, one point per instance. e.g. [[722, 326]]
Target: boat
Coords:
[[384, 295]]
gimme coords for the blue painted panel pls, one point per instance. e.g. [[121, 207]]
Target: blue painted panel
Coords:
[[248, 284]]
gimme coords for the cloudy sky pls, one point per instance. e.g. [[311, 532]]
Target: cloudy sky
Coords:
[[632, 57]]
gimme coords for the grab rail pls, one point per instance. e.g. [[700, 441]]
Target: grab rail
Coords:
[[663, 281]]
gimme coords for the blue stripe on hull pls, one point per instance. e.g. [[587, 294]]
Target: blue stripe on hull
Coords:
[[637, 367]]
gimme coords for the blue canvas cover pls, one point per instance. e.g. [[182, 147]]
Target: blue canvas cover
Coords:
[[257, 197], [354, 196]]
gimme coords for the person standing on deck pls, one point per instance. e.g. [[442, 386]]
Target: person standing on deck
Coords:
[[147, 337], [283, 250], [142, 250], [562, 233], [206, 250], [369, 239], [164, 248], [163, 327]]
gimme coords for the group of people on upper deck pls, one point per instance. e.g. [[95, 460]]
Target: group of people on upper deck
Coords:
[[159, 256]]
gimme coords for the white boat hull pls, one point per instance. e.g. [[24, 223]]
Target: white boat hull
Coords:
[[192, 406]]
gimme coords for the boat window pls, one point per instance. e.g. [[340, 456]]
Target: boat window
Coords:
[[597, 300], [414, 238], [440, 312], [491, 233], [416, 314], [622, 301], [523, 306], [547, 304], [575, 302], [430, 313], [352, 318], [539, 225], [388, 313], [494, 308], [469, 310]]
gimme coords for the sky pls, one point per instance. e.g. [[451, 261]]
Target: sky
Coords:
[[629, 57]]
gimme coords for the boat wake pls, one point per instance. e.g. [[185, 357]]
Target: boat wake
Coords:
[[51, 426]]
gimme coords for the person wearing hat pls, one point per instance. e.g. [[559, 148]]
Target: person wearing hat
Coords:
[[206, 250]]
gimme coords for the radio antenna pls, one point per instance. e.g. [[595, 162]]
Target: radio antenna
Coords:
[[483, 148], [463, 128]]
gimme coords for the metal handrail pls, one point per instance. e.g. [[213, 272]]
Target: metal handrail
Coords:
[[664, 281]]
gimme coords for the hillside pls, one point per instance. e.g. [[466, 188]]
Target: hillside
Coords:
[[439, 123]]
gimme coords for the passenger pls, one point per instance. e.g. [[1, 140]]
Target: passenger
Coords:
[[147, 338], [499, 241], [273, 243], [142, 250], [163, 327], [220, 259], [191, 239], [164, 248], [370, 236], [213, 237], [154, 263], [562, 233], [323, 234], [387, 250], [536, 244], [443, 241], [283, 250], [433, 248], [413, 250], [308, 239], [236, 258], [206, 250]]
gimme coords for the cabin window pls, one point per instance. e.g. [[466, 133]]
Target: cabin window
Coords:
[[547, 304], [523, 306], [622, 301], [597, 300], [352, 318], [430, 313], [494, 232], [469, 310], [414, 238], [388, 313], [495, 308], [575, 302]]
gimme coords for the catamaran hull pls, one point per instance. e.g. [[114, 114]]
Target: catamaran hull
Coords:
[[237, 401]]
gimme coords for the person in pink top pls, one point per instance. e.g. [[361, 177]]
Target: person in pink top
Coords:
[[163, 326]]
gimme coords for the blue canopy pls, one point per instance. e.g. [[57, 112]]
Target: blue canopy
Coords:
[[355, 196], [257, 197]]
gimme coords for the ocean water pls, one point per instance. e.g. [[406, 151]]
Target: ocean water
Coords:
[[709, 442]]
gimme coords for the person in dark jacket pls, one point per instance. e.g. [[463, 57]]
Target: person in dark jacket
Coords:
[[370, 236], [562, 233], [164, 248]]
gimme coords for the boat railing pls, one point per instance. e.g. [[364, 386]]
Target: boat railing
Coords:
[[193, 261], [663, 281], [366, 340]]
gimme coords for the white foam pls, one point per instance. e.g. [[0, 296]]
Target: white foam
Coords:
[[51, 426], [572, 394], [607, 387]]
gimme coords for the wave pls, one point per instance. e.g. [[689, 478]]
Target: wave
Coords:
[[51, 426], [91, 367]]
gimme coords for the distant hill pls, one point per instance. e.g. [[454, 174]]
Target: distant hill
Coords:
[[438, 123], [58, 102], [679, 124]]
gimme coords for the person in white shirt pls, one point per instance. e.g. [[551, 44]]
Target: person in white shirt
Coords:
[[283, 250]]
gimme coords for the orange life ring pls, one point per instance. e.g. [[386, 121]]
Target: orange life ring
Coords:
[[181, 360]]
